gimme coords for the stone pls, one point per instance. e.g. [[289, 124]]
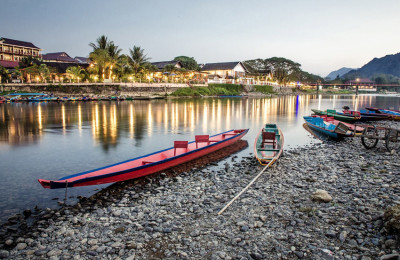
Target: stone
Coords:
[[21, 246], [4, 253], [392, 218], [390, 243], [342, 236], [9, 242], [54, 252], [390, 257], [321, 196]]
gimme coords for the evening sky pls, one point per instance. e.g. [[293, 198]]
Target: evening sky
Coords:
[[321, 35]]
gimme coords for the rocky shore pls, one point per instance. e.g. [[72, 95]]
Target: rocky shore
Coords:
[[325, 201]]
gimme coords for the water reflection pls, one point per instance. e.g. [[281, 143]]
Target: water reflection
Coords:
[[24, 124], [51, 140]]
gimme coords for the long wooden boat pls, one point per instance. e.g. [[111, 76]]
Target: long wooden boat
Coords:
[[326, 128], [393, 114], [182, 152], [268, 145], [334, 114], [365, 115]]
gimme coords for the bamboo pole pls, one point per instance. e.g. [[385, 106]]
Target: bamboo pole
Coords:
[[248, 186]]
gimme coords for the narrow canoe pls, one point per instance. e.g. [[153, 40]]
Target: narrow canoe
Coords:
[[352, 127], [148, 164], [365, 115], [334, 114], [328, 129], [268, 145], [392, 114]]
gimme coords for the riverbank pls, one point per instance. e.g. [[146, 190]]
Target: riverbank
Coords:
[[176, 217]]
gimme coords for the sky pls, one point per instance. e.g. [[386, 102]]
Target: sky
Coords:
[[321, 35]]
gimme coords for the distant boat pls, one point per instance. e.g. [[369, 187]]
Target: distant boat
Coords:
[[182, 152], [326, 128], [338, 116], [268, 145], [393, 114], [366, 115]]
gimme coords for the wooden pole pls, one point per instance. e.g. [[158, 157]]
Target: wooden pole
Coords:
[[248, 186]]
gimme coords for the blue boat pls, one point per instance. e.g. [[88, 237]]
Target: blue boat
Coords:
[[334, 131]]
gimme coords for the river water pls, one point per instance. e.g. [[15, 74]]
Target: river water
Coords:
[[52, 140]]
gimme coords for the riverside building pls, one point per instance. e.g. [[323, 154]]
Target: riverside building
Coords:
[[12, 51]]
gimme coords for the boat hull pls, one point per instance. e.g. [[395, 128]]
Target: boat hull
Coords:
[[336, 116], [264, 156], [323, 131], [105, 175]]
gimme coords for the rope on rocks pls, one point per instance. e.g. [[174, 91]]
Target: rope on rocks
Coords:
[[248, 186]]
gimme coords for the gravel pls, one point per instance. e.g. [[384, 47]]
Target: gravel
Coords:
[[175, 217]]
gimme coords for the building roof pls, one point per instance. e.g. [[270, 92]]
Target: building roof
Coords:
[[82, 59], [9, 64], [161, 64], [222, 66], [18, 43], [58, 56]]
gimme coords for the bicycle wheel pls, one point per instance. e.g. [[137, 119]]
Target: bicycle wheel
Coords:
[[393, 140], [367, 139]]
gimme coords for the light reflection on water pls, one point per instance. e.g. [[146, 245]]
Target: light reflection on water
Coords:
[[51, 140]]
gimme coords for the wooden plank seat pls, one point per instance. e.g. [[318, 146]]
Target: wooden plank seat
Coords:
[[269, 150], [202, 139], [268, 138], [180, 144]]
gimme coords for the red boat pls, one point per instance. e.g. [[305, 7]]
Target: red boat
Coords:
[[182, 152]]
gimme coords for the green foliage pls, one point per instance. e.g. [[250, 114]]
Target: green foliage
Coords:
[[211, 90], [264, 89], [3, 74], [188, 63]]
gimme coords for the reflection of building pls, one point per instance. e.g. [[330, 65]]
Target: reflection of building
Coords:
[[12, 51], [225, 72]]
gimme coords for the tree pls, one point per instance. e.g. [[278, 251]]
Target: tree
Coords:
[[74, 72], [102, 60], [187, 62], [282, 69], [44, 72], [137, 58], [27, 62], [4, 76], [114, 53], [101, 43]]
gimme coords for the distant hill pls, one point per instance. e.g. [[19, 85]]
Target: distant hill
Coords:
[[388, 65], [339, 72]]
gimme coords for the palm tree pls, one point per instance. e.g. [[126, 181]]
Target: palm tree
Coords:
[[44, 72], [74, 72], [102, 59], [137, 58], [101, 43], [114, 53]]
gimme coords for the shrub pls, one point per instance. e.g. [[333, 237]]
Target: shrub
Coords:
[[264, 89]]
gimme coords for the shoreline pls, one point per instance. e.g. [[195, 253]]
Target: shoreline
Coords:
[[176, 217]]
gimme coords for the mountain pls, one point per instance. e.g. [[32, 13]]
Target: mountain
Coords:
[[389, 65], [339, 72]]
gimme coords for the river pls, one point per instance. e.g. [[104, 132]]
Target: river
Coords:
[[51, 140]]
